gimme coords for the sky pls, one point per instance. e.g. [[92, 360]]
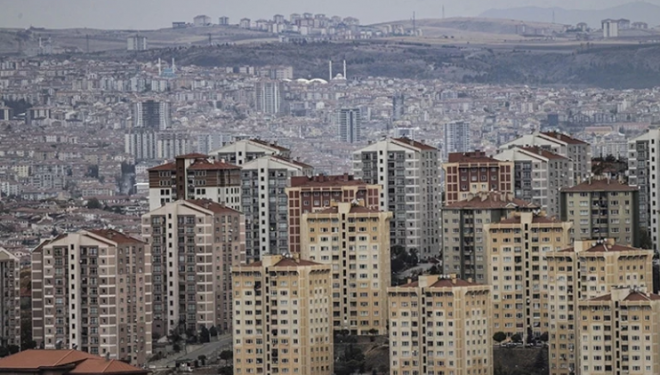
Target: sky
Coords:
[[154, 14]]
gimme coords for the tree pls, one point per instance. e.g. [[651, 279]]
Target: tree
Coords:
[[544, 337], [204, 335], [539, 362], [13, 349], [499, 337], [645, 241], [176, 347], [94, 204], [213, 331], [373, 332], [227, 370], [226, 355], [202, 359], [517, 338], [530, 335]]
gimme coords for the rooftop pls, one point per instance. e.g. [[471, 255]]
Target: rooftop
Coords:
[[414, 143], [471, 157], [268, 144], [355, 209], [115, 236], [536, 219], [491, 200], [326, 181], [164, 167], [68, 361], [211, 206], [596, 185], [564, 138], [604, 248], [201, 164], [543, 152], [287, 262]]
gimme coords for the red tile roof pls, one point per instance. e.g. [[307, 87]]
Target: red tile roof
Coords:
[[491, 200], [452, 283], [292, 161], [102, 366], [639, 296], [471, 157], [204, 164], [598, 185], [414, 143], [543, 153], [604, 248], [192, 156], [115, 236], [163, 167], [35, 359], [273, 145], [564, 138], [212, 206]]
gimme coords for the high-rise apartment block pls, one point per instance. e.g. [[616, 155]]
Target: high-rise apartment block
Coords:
[[474, 172], [464, 246], [619, 333], [348, 125], [141, 143], [10, 298], [91, 291], [282, 321], [195, 176], [440, 325], [456, 138], [398, 106], [265, 204], [577, 151], [644, 172], [269, 97], [516, 249], [355, 241], [194, 245], [588, 270], [246, 150], [151, 114], [538, 175], [602, 208], [409, 173], [136, 43], [308, 194]]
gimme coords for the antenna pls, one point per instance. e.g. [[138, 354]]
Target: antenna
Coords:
[[345, 70], [159, 67]]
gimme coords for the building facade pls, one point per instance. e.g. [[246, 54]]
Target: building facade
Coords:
[[282, 322], [602, 208], [474, 172], [355, 241], [348, 125], [10, 298], [409, 173], [194, 244], [440, 325], [643, 168], [91, 291], [246, 150], [269, 97], [587, 270], [152, 114], [456, 138], [515, 250]]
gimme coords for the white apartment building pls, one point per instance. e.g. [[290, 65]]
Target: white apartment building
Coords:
[[643, 171], [246, 150]]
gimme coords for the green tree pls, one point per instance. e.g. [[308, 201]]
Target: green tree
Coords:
[[499, 337], [544, 337], [94, 204], [226, 355], [204, 335], [226, 370], [213, 331], [539, 362], [517, 338]]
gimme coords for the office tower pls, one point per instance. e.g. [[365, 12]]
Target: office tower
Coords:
[[282, 321], [577, 151], [473, 172], [409, 173], [141, 144], [464, 249], [398, 106], [355, 241], [5, 113], [136, 43], [246, 150], [515, 249], [588, 270], [348, 125], [195, 176], [538, 175], [151, 114], [602, 208], [194, 244], [264, 203], [619, 333], [171, 144], [10, 298], [91, 291], [440, 325], [456, 138], [308, 194], [269, 97], [643, 167]]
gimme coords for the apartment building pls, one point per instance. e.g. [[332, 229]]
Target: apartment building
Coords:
[[464, 246], [577, 151], [310, 193], [269, 97], [265, 203], [194, 245], [355, 241], [440, 325], [474, 172], [538, 175], [643, 168], [10, 298], [152, 114], [348, 122], [409, 173], [602, 208], [195, 176], [515, 249], [91, 291], [589, 269], [282, 317], [619, 333], [246, 150], [456, 138]]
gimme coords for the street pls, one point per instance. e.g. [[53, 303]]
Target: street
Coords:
[[210, 350]]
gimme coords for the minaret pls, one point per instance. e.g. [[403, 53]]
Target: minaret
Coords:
[[159, 67], [345, 69], [330, 70]]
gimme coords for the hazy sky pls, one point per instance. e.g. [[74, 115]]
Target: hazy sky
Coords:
[[150, 14]]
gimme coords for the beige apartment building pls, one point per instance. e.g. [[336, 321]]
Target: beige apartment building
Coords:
[[282, 319], [516, 249], [603, 208], [440, 325], [463, 231], [620, 333], [194, 244], [355, 240], [10, 298], [91, 291], [585, 271]]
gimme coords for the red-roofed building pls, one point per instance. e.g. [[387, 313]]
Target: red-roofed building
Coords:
[[474, 172], [309, 193], [446, 306], [64, 362], [246, 150]]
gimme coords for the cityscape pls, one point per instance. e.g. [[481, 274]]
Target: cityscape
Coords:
[[165, 210]]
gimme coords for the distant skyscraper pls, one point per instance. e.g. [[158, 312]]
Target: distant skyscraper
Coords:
[[456, 138], [644, 168], [136, 43], [268, 97], [397, 107], [151, 114], [172, 144], [141, 143], [348, 123]]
